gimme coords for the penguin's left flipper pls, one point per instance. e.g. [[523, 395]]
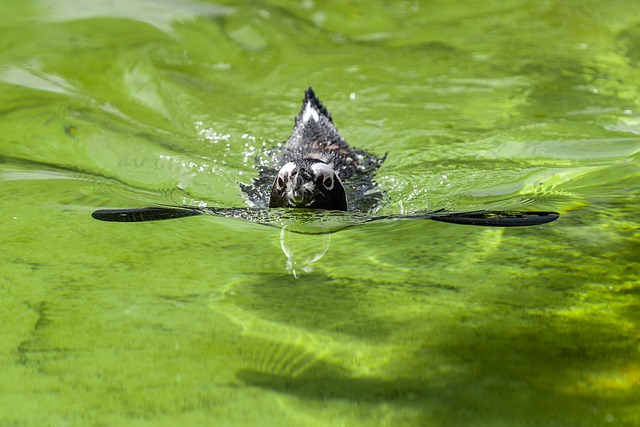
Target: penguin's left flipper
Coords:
[[497, 218]]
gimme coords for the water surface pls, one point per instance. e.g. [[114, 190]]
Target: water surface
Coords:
[[201, 320]]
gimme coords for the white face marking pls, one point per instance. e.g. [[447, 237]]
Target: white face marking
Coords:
[[301, 190], [309, 113], [283, 175], [327, 174], [288, 168]]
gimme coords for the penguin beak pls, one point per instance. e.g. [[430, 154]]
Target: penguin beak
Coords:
[[297, 192], [300, 194]]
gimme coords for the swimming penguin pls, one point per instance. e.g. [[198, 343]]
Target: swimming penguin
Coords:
[[318, 161], [317, 170]]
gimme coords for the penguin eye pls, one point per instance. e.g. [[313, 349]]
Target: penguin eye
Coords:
[[283, 175], [327, 180]]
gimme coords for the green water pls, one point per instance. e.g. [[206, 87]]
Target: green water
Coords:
[[201, 321]]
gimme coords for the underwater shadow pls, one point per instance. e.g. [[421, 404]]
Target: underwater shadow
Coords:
[[329, 384], [554, 372]]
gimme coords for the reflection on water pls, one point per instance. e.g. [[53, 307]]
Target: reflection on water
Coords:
[[303, 250]]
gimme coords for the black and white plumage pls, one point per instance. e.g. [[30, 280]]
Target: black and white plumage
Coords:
[[318, 160], [308, 183], [317, 169], [315, 136]]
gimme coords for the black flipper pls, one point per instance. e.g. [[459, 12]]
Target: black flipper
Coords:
[[274, 218], [144, 214], [498, 218]]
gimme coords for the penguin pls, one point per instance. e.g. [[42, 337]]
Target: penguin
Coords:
[[319, 170]]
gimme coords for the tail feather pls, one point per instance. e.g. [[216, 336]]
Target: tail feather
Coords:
[[310, 97]]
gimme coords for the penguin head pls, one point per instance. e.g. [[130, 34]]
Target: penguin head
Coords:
[[308, 183]]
